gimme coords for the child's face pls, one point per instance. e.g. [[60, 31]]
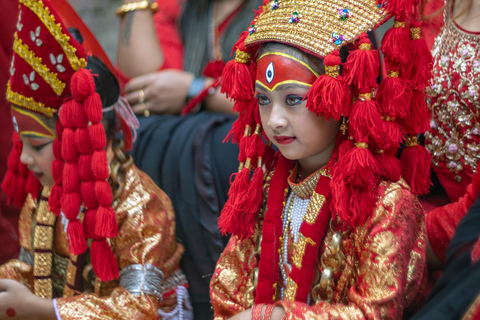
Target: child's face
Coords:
[[37, 137], [281, 86]]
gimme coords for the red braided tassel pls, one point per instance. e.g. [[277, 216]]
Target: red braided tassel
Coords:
[[16, 178], [329, 95], [394, 44], [76, 239], [421, 60]]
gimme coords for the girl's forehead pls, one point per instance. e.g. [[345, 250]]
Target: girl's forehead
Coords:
[[279, 68], [31, 125]]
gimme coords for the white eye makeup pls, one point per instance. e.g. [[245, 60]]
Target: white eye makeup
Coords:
[[270, 73]]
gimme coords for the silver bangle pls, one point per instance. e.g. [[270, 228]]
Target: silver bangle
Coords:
[[138, 279]]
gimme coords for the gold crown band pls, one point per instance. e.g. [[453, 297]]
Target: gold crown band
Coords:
[[411, 141], [242, 56], [399, 24], [133, 6], [332, 71], [392, 74], [365, 96], [362, 145], [28, 103], [415, 33]]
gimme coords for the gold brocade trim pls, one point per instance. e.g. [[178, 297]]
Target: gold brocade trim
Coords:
[[332, 71], [28, 102], [305, 188], [388, 118], [365, 96], [317, 24], [399, 24], [411, 141], [392, 74], [242, 56], [291, 290], [300, 250], [55, 30], [365, 46], [362, 145], [43, 236], [415, 33], [314, 206], [36, 63]]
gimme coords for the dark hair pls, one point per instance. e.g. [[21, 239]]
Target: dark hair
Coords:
[[106, 85]]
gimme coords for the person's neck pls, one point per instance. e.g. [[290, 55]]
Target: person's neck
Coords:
[[467, 14]]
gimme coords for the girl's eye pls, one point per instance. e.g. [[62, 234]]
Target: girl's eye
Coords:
[[293, 100], [40, 146], [262, 100]]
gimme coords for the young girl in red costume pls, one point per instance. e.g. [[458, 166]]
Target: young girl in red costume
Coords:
[[330, 226], [97, 235]]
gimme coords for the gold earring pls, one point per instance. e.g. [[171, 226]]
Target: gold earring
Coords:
[[344, 126]]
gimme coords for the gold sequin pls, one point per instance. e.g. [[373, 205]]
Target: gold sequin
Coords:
[[300, 250], [314, 206], [291, 290]]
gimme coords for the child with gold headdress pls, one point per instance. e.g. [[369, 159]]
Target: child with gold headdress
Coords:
[[97, 235], [330, 226]]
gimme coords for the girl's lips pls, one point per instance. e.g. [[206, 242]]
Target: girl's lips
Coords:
[[284, 139], [37, 175]]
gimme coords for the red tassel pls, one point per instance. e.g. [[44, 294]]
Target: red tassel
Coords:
[[97, 136], [362, 66], [89, 223], [82, 85], [55, 199], [71, 205], [329, 95], [76, 239], [393, 95], [106, 223], [71, 179], [388, 166], [103, 261], [394, 44], [87, 190], [82, 141], [421, 60], [392, 133], [100, 165], [69, 149], [419, 116], [415, 162], [364, 121]]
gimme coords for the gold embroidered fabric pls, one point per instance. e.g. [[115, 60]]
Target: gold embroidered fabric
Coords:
[[146, 236], [454, 136], [314, 25], [380, 276]]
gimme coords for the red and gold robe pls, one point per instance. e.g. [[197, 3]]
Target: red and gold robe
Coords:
[[146, 236], [382, 273]]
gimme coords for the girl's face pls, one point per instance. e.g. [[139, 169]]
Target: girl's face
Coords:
[[281, 87], [37, 138]]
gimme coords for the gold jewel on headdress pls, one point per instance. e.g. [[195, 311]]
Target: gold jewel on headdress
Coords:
[[362, 145], [415, 33], [332, 71], [242, 56], [365, 96], [392, 74], [365, 46], [399, 24]]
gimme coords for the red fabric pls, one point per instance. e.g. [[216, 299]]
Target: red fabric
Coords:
[[8, 214], [432, 17]]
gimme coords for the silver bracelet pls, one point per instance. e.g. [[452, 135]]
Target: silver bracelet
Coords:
[[138, 279]]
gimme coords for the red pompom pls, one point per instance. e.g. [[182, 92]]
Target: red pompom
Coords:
[[89, 224], [100, 165], [388, 166], [85, 167], [103, 193], [66, 115], [82, 141], [87, 190], [415, 162], [365, 121], [237, 81], [98, 138], [93, 108], [71, 205], [55, 199], [71, 180], [80, 119], [69, 148], [82, 85], [76, 239], [106, 223], [393, 95], [103, 261]]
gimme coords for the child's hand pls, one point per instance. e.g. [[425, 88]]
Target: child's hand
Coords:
[[17, 302]]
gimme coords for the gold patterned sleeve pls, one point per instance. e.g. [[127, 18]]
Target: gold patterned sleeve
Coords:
[[17, 270], [232, 279], [146, 237], [390, 263]]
